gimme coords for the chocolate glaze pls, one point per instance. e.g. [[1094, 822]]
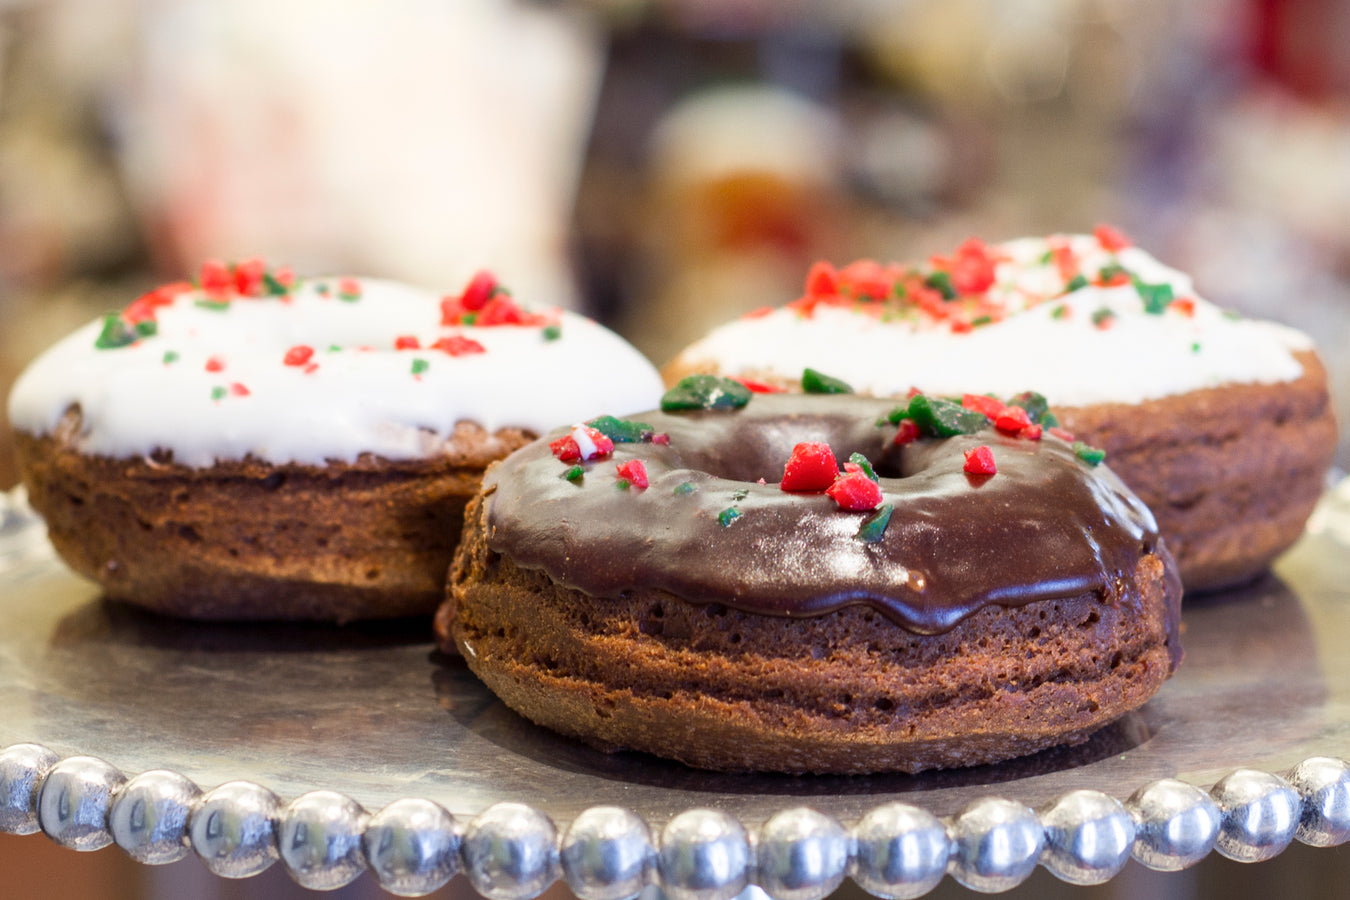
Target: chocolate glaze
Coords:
[[1045, 527]]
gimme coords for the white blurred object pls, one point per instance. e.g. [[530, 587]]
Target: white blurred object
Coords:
[[421, 140]]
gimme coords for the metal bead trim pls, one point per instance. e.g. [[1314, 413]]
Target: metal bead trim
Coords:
[[802, 855], [901, 851], [997, 844], [74, 802], [1088, 836], [412, 847], [1323, 785], [1259, 814], [319, 839], [607, 854], [22, 770], [1176, 825], [149, 818], [704, 855], [511, 852], [233, 829]]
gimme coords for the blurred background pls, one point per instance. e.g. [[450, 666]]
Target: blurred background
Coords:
[[665, 165]]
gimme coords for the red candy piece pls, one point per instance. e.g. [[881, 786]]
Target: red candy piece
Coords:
[[143, 308], [458, 345], [406, 342], [215, 277], [907, 433], [990, 406], [1062, 434], [1030, 433], [565, 448], [868, 278], [980, 461], [298, 355], [855, 491], [759, 387], [1110, 238], [822, 280], [215, 364], [1012, 420], [451, 311], [635, 472], [500, 310], [478, 291], [811, 467], [583, 442], [972, 271], [1185, 306], [248, 277], [239, 390], [661, 438], [1064, 259]]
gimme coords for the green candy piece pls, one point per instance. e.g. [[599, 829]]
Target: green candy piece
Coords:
[[212, 305], [727, 516], [116, 333], [865, 464], [574, 474], [942, 283], [1089, 454], [685, 488], [552, 332], [874, 526], [1157, 297], [147, 328], [621, 431], [1076, 283], [419, 366], [1102, 315], [943, 418], [705, 392], [170, 356], [1109, 272], [1035, 404], [622, 484], [1050, 420], [218, 393], [273, 287], [814, 382]]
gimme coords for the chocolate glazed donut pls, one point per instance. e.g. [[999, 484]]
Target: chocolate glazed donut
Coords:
[[730, 624]]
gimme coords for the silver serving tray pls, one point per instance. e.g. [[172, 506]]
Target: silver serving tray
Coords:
[[93, 693]]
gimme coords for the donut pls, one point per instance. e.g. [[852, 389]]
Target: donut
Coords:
[[1221, 424], [703, 583], [253, 445]]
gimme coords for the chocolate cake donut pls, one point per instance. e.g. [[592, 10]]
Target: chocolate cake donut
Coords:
[[668, 584], [255, 446], [1221, 424]]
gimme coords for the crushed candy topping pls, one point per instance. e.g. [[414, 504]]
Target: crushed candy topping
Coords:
[[811, 467], [727, 516], [874, 526], [980, 461], [705, 392], [582, 443], [622, 431], [1093, 456], [814, 382], [854, 491], [634, 472]]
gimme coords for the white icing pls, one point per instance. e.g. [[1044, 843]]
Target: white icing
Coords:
[[356, 401], [1070, 360]]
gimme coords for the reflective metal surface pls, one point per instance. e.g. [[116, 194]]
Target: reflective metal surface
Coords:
[[374, 714]]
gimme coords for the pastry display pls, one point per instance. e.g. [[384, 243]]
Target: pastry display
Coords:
[[704, 583], [258, 446], [1221, 424]]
